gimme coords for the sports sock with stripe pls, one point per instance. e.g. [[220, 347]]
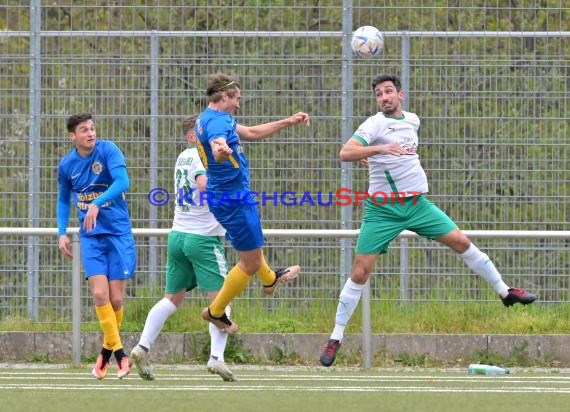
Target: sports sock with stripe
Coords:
[[347, 302], [480, 263]]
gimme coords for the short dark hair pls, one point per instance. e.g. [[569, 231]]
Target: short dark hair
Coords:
[[188, 124], [387, 78], [77, 118]]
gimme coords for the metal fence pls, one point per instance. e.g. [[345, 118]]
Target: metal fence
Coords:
[[309, 292], [490, 83]]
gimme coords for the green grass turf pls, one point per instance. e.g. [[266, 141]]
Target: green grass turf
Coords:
[[387, 317], [285, 389]]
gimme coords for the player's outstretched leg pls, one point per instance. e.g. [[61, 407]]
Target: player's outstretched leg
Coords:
[[347, 303], [330, 350], [218, 367], [481, 264], [218, 341], [222, 322], [518, 296], [282, 276], [123, 363], [99, 371], [139, 358]]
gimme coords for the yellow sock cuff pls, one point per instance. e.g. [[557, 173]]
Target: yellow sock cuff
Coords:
[[266, 275], [108, 323], [234, 283]]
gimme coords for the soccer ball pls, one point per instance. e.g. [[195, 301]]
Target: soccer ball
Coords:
[[367, 41]]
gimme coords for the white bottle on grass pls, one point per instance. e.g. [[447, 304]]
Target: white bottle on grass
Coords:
[[488, 370]]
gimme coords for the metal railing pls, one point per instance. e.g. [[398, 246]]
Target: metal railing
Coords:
[[342, 234]]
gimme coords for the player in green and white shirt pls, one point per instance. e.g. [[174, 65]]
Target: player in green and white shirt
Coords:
[[389, 140], [195, 257], [393, 173]]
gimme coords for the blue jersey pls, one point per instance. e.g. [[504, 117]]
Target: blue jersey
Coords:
[[87, 178], [229, 178]]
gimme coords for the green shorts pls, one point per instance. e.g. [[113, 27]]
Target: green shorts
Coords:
[[382, 224], [194, 260]]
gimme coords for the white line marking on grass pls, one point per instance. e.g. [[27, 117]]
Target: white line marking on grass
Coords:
[[250, 378], [536, 390], [269, 377]]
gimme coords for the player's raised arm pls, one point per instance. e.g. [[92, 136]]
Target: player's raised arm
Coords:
[[355, 150], [220, 150], [264, 130]]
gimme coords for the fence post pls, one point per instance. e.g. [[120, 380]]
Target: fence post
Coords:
[[405, 67], [404, 252], [404, 269], [366, 326], [76, 348], [34, 158], [346, 127], [154, 50]]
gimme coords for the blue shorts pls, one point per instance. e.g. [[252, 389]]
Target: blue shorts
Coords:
[[242, 224], [111, 255]]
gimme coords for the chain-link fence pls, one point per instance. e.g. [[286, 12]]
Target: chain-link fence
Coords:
[[489, 82]]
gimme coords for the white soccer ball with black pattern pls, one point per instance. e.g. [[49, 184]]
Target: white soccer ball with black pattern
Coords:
[[367, 41]]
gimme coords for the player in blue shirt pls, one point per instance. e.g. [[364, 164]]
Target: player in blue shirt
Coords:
[[94, 175], [221, 152]]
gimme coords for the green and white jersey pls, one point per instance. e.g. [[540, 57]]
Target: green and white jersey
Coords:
[[188, 217], [389, 173]]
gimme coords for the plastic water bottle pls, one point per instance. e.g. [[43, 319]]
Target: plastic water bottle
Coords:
[[489, 370]]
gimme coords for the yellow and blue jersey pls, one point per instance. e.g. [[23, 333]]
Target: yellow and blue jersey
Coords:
[[85, 179], [229, 178]]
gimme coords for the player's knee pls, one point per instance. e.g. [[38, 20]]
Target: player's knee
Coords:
[[117, 303], [100, 297], [251, 265], [359, 274], [462, 243], [177, 299]]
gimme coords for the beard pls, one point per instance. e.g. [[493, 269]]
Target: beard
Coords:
[[389, 110]]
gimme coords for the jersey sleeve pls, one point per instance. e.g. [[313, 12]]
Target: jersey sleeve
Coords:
[[367, 132], [120, 184], [63, 202], [197, 166], [416, 121], [115, 157], [219, 128]]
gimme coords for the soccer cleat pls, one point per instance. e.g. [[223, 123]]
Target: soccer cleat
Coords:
[[518, 296], [100, 369], [329, 352], [220, 368], [124, 367], [139, 358], [223, 322], [282, 276]]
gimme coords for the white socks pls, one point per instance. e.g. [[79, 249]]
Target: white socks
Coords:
[[347, 302], [218, 340], [155, 320], [480, 263], [159, 314]]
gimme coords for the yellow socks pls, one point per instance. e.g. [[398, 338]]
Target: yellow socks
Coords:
[[119, 317], [108, 322], [234, 283], [266, 275]]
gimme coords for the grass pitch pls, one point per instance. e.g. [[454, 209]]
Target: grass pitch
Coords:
[[283, 389]]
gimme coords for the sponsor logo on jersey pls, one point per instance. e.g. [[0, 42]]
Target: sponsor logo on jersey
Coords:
[[96, 168]]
